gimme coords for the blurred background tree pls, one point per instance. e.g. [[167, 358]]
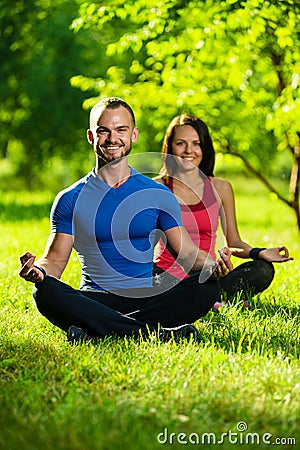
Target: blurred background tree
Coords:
[[233, 63], [42, 120]]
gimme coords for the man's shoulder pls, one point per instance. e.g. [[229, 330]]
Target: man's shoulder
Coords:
[[71, 192]]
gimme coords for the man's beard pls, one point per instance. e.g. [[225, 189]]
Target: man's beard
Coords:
[[108, 158]]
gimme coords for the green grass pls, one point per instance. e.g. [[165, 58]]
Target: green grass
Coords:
[[121, 394]]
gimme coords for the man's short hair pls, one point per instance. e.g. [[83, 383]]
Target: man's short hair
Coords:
[[109, 103]]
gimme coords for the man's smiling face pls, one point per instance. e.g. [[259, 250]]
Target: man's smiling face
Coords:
[[114, 134]]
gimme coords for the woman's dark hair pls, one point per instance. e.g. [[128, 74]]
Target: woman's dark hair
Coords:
[[208, 160]]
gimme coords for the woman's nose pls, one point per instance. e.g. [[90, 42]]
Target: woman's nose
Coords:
[[188, 148]]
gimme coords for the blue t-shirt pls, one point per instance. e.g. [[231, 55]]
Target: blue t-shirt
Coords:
[[114, 229]]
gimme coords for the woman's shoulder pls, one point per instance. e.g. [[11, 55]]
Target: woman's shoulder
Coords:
[[222, 186], [219, 183], [160, 180]]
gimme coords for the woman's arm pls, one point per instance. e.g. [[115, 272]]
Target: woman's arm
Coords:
[[228, 220], [238, 247]]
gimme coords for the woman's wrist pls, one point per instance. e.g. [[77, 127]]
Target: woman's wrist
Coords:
[[254, 252]]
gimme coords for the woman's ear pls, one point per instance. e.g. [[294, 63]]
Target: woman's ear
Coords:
[[90, 137]]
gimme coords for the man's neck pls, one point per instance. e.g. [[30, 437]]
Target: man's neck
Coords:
[[115, 173]]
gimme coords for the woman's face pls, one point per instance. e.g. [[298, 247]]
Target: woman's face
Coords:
[[186, 145]]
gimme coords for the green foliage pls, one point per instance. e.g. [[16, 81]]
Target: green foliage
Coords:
[[40, 112], [122, 393], [232, 63]]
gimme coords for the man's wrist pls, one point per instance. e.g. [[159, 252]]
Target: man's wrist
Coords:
[[42, 270], [254, 252]]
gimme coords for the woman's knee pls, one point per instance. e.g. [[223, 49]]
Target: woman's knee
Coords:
[[262, 275], [266, 270], [253, 276]]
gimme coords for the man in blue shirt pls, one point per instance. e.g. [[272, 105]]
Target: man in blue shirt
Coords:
[[112, 217]]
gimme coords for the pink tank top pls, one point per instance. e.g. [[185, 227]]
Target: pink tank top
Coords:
[[201, 221]]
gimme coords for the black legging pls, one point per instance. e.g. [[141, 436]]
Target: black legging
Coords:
[[249, 279], [103, 313]]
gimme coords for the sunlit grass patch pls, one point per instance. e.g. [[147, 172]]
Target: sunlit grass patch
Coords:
[[123, 393]]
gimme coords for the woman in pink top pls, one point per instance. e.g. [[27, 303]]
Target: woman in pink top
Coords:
[[189, 159]]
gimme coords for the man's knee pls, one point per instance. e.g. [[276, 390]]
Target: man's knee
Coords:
[[43, 292], [39, 296]]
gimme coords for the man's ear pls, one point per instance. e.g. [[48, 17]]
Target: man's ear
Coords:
[[135, 135], [90, 137]]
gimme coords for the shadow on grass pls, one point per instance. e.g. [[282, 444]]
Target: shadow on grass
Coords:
[[15, 211]]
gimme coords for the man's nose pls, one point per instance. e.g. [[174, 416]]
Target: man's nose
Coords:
[[113, 135]]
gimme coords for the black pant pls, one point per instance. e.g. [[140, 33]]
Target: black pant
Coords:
[[249, 279], [105, 313]]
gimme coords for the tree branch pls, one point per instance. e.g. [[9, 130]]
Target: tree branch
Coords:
[[259, 176]]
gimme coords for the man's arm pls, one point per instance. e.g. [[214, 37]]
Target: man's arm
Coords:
[[53, 261], [191, 258]]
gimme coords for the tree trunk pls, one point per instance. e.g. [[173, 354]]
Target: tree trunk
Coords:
[[294, 181], [4, 149]]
